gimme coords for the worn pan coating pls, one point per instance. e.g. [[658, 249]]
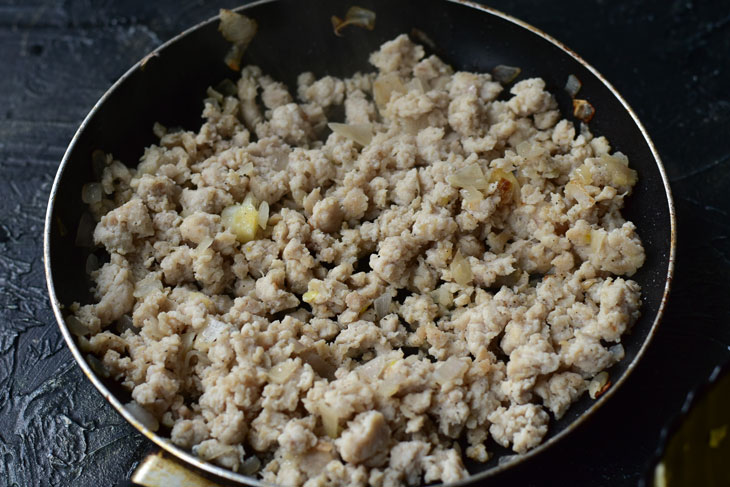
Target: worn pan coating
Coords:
[[169, 86]]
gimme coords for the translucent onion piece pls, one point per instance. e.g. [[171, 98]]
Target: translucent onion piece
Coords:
[[214, 94], [382, 305], [250, 466], [85, 232], [422, 38], [599, 385], [75, 326], [598, 238], [280, 373], [125, 323], [450, 370], [247, 169], [618, 352], [236, 28], [443, 296], [92, 263], [573, 85], [583, 110], [362, 133], [578, 193], [461, 270], [263, 218], [530, 150], [384, 86], [472, 195], [239, 30], [241, 220], [98, 367], [318, 364], [505, 74], [508, 185], [618, 166], [469, 176], [91, 193], [583, 174], [330, 420], [143, 416], [355, 15], [150, 283], [214, 330]]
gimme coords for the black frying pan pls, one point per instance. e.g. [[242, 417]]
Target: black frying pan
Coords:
[[296, 36]]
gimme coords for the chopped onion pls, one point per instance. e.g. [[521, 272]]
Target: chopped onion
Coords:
[[443, 296], [472, 195], [573, 85], [382, 304], [214, 94], [98, 367], [597, 240], [578, 193], [583, 110], [319, 365], [227, 88], [450, 370], [91, 193], [204, 244], [263, 217], [530, 150], [330, 420], [384, 86], [469, 176], [124, 323], [507, 184], [85, 231], [143, 416], [280, 373], [417, 84], [92, 263], [236, 28], [355, 15], [583, 174], [75, 326], [461, 269], [362, 133], [251, 465], [371, 369], [214, 330], [422, 38], [505, 74], [599, 385], [150, 283], [618, 166], [618, 352], [239, 30], [247, 169]]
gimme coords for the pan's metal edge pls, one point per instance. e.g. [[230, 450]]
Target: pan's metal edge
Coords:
[[231, 476]]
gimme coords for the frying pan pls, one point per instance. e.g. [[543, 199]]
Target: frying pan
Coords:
[[295, 36]]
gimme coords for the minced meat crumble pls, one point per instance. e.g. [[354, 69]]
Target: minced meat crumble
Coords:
[[341, 307]]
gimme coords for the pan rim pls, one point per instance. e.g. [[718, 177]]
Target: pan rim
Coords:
[[228, 475]]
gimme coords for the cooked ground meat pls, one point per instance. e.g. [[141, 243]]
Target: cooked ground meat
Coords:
[[341, 307]]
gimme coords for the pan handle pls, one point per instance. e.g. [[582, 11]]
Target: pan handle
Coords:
[[161, 470]]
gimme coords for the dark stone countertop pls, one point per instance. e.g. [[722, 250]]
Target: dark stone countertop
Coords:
[[668, 58]]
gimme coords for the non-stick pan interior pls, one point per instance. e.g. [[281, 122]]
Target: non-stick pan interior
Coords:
[[296, 36]]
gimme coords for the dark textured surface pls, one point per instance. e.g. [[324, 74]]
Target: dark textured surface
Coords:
[[667, 58]]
